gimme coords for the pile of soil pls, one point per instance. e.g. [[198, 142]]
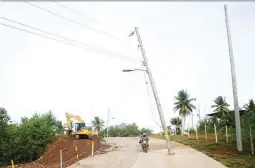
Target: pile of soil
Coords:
[[51, 159]]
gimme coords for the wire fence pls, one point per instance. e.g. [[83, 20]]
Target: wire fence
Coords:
[[225, 135]]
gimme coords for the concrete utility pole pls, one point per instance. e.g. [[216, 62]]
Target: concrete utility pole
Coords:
[[234, 85], [161, 115]]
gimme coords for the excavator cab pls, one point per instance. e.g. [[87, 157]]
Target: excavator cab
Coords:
[[79, 126]]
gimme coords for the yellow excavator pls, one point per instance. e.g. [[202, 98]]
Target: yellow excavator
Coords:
[[80, 129]]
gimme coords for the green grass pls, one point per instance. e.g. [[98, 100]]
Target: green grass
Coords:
[[222, 152]]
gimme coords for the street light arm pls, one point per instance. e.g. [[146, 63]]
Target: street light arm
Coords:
[[131, 70]]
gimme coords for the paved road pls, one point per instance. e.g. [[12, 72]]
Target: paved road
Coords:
[[129, 155]]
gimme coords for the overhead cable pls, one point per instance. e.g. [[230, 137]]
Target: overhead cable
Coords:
[[88, 17], [75, 22], [84, 46], [81, 14]]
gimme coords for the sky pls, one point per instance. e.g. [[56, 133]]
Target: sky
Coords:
[[186, 46]]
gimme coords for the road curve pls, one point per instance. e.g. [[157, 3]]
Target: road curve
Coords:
[[129, 155]]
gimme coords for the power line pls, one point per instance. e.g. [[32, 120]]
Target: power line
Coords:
[[1, 4], [101, 51], [148, 92], [53, 34], [82, 14], [73, 21], [39, 29]]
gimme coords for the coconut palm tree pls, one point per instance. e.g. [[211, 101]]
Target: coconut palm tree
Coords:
[[220, 106], [177, 122], [183, 105], [98, 124]]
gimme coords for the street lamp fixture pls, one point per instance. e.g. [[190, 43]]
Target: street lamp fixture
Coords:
[[131, 70]]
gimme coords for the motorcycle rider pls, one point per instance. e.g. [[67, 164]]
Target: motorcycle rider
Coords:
[[144, 136], [141, 136]]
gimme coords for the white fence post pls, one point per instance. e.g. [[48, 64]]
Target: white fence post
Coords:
[[226, 133], [92, 148], [188, 132], [205, 133], [196, 134], [215, 131], [61, 162], [12, 162], [252, 148]]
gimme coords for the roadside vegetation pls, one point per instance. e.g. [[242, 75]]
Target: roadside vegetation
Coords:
[[124, 130], [26, 141], [223, 119]]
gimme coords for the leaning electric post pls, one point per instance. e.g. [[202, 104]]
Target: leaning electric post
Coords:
[[161, 115], [234, 85]]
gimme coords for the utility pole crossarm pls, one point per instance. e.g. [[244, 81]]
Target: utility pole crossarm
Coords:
[[161, 115]]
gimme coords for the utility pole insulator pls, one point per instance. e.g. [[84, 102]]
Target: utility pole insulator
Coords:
[[131, 34]]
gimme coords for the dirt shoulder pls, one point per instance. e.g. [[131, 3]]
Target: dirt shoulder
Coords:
[[51, 158]]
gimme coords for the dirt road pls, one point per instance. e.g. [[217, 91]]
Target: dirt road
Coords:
[[129, 155]]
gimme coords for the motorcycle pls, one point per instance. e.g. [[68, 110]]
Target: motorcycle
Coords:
[[144, 145]]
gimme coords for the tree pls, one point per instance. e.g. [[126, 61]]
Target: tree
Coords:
[[183, 105], [98, 124], [24, 120], [145, 130], [209, 124], [125, 130], [220, 107], [59, 127], [248, 123], [250, 107], [177, 122], [4, 135], [26, 141]]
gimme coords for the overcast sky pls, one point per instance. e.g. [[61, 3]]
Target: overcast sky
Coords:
[[186, 45]]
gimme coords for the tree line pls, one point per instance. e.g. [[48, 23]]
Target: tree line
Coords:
[[222, 117], [121, 130]]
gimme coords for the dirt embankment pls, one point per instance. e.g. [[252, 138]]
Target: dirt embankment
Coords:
[[51, 159]]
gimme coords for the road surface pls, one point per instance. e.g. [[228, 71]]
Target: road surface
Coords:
[[129, 155]]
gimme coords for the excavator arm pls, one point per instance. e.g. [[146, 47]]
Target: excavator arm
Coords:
[[71, 116]]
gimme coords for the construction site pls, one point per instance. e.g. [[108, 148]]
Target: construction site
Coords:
[[67, 146], [150, 85]]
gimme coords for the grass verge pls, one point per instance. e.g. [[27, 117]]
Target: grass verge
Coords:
[[222, 152]]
